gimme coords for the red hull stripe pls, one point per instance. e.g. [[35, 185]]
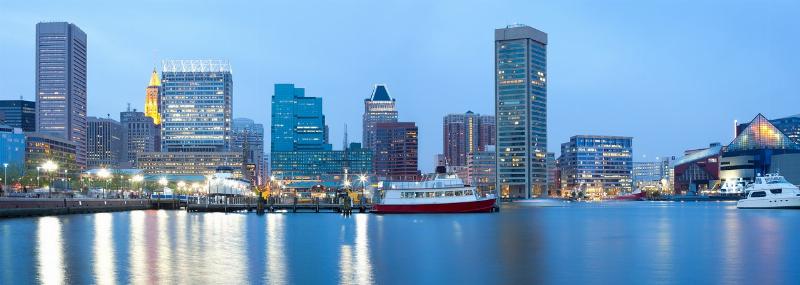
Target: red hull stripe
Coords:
[[463, 207]]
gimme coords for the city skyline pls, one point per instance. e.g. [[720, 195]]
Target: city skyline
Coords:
[[591, 62]]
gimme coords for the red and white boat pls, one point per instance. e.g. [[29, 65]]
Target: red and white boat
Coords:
[[636, 195], [445, 193]]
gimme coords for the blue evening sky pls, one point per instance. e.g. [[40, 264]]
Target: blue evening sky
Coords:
[[672, 74]]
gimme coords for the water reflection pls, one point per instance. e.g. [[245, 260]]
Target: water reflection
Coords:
[[50, 256], [354, 262], [138, 248], [104, 261], [276, 257]]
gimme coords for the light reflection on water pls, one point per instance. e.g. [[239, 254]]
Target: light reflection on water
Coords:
[[582, 243]]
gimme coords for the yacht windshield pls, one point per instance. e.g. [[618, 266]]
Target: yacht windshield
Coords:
[[776, 180]]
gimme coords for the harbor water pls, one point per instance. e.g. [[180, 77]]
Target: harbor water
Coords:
[[580, 243]]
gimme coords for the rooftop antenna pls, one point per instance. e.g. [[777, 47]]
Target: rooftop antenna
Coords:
[[344, 144], [129, 106]]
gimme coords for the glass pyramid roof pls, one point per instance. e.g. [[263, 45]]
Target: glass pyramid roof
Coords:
[[761, 134]]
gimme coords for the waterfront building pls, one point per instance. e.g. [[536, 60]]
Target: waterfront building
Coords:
[[698, 170], [597, 165], [61, 83], [152, 98], [188, 163], [321, 165], [481, 167], [648, 175], [521, 110], [196, 106], [40, 148], [141, 133], [18, 114], [759, 149], [12, 151], [464, 134], [248, 138], [106, 143], [789, 126], [396, 151], [378, 108]]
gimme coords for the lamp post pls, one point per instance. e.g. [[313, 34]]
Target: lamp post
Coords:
[[103, 173], [5, 176], [49, 166], [363, 179], [138, 179], [163, 182], [37, 177]]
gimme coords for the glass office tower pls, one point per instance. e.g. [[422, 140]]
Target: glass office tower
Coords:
[[196, 106], [521, 111], [61, 83]]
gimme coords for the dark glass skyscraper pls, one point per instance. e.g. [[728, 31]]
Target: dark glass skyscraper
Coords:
[[61, 83], [18, 114], [142, 135], [521, 111], [396, 151]]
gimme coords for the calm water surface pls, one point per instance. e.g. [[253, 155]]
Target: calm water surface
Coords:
[[625, 242]]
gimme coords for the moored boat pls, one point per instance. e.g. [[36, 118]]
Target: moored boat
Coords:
[[770, 192], [636, 195], [445, 193]]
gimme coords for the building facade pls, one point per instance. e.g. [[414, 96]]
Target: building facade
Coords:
[[481, 167], [61, 83], [789, 126], [188, 163], [40, 148], [248, 138], [322, 165], [12, 151], [698, 170], [761, 148], [396, 151], [597, 165], [521, 110], [141, 133], [196, 106], [106, 143], [18, 114], [378, 108], [464, 134]]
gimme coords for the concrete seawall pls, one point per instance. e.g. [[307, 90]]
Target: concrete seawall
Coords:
[[23, 207]]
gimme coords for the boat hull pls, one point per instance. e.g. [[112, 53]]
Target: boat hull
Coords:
[[630, 197], [479, 206], [770, 203]]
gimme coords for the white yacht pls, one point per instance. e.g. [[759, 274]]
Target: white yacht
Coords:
[[770, 192]]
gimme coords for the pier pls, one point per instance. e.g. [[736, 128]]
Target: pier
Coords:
[[24, 207], [294, 205]]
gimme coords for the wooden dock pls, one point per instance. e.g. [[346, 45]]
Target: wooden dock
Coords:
[[277, 205]]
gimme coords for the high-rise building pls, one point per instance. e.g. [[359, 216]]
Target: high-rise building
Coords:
[[18, 114], [248, 138], [521, 110], [597, 164], [396, 155], [153, 97], [297, 121], [106, 143], [552, 171], [464, 134], [142, 135], [61, 83], [378, 108], [196, 106]]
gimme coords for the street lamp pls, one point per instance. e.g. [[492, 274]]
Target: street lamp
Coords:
[[363, 178], [104, 173], [163, 182], [138, 179], [49, 166], [5, 176], [37, 177]]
